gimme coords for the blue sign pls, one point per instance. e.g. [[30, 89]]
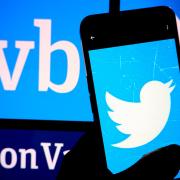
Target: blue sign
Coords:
[[41, 65], [42, 69]]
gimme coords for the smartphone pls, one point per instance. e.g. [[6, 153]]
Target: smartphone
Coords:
[[132, 64]]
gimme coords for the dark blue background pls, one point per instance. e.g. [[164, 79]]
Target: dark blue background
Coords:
[[26, 139]]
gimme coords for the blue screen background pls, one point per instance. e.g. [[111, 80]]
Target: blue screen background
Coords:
[[16, 20], [123, 71]]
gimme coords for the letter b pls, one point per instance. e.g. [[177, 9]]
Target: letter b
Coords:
[[46, 49]]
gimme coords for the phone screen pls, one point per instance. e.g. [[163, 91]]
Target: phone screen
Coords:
[[137, 89]]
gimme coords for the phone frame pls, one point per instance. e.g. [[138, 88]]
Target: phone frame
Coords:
[[123, 28]]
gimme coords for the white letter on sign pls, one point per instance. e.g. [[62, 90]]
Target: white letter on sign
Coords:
[[3, 158], [51, 162], [8, 82], [46, 49], [32, 154]]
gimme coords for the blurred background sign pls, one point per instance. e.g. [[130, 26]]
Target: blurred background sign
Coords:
[[42, 78]]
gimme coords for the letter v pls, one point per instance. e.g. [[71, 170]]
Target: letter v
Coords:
[[51, 162], [8, 82]]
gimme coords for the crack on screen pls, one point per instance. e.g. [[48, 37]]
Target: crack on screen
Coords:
[[129, 61], [120, 62], [132, 86], [155, 64], [164, 70], [169, 68]]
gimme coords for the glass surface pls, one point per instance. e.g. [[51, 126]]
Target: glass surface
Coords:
[[137, 90]]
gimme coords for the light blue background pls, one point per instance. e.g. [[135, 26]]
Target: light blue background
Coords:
[[123, 71], [16, 20]]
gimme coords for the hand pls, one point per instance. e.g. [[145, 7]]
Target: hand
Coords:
[[162, 164], [85, 160]]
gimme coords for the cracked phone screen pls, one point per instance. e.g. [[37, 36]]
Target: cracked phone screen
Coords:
[[137, 90]]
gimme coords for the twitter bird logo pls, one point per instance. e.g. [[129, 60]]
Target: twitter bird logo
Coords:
[[142, 121]]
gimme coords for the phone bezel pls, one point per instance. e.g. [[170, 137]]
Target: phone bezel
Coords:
[[123, 28]]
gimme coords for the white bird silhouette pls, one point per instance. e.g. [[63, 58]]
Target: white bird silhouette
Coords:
[[144, 120]]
